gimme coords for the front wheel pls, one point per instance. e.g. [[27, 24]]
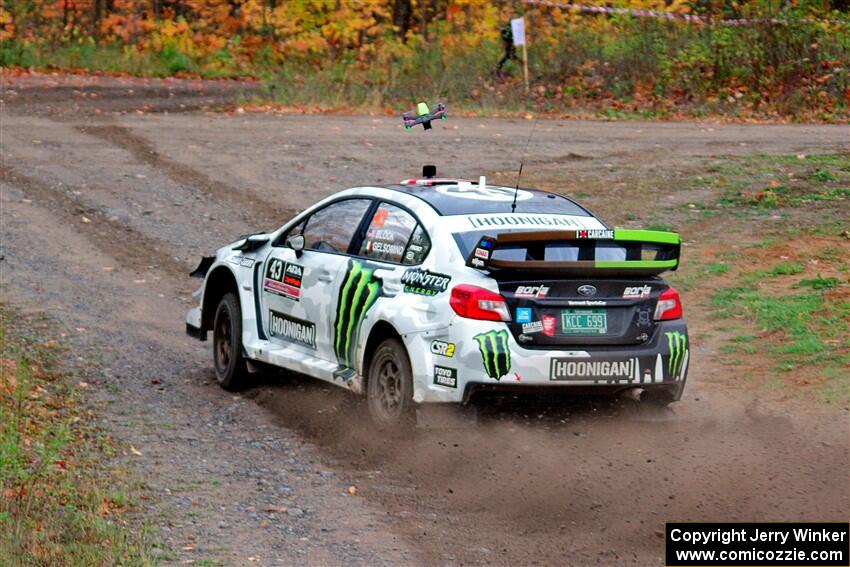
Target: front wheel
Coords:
[[231, 372], [389, 388]]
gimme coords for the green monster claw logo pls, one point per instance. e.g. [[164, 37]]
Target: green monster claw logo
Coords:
[[677, 343], [358, 292], [495, 352]]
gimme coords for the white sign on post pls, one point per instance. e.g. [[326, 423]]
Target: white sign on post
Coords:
[[518, 30]]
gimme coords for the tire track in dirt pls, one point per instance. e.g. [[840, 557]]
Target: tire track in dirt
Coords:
[[130, 248], [251, 207]]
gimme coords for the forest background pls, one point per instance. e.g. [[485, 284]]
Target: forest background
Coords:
[[787, 61]]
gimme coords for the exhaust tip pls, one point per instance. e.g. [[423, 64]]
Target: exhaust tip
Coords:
[[635, 394]]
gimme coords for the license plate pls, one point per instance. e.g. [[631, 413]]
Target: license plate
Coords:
[[584, 322]]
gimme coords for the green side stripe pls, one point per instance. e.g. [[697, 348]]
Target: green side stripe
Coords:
[[653, 236], [493, 351], [340, 316], [506, 353], [677, 344], [670, 339], [635, 263], [371, 296], [354, 313], [482, 346]]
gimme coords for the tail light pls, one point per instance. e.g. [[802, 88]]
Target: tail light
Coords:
[[475, 302], [669, 306]]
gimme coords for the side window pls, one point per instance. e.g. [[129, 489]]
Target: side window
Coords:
[[332, 228], [388, 234], [418, 247]]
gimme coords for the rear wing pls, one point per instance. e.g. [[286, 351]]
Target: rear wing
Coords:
[[644, 252]]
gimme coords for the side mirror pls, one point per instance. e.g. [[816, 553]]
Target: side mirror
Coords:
[[296, 243]]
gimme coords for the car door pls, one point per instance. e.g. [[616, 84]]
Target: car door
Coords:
[[392, 243], [298, 291]]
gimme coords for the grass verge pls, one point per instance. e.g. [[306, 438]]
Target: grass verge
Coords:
[[765, 183], [62, 502], [801, 324]]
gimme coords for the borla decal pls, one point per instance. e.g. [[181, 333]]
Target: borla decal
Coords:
[[423, 282], [495, 353], [292, 329], [358, 292], [284, 279], [637, 292], [531, 291], [677, 343]]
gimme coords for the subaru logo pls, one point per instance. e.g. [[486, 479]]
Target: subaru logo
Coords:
[[587, 290]]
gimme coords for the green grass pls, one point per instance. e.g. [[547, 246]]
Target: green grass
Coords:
[[687, 277], [819, 283], [768, 182], [797, 329], [784, 269], [831, 254], [61, 503]]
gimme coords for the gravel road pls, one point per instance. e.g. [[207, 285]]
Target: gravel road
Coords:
[[112, 189]]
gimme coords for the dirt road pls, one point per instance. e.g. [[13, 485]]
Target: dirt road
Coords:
[[109, 200]]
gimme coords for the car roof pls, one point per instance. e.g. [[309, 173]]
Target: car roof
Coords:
[[451, 197]]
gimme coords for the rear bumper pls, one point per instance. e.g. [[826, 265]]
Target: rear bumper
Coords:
[[659, 366], [664, 392]]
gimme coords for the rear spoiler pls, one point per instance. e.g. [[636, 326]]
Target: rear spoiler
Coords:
[[648, 252]]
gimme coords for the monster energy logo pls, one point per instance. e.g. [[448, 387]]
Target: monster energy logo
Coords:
[[358, 292], [677, 344], [495, 352]]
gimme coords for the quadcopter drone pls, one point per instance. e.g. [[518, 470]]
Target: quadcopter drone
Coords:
[[423, 116]]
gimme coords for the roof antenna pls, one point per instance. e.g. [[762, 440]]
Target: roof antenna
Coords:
[[521, 161]]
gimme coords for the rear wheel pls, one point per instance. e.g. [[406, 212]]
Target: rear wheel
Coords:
[[389, 388], [230, 368]]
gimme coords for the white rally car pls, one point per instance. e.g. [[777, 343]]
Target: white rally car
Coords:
[[434, 289]]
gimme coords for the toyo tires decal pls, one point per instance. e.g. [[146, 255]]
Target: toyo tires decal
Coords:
[[677, 343], [495, 353], [358, 292]]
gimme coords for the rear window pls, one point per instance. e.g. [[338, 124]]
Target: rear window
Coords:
[[547, 251]]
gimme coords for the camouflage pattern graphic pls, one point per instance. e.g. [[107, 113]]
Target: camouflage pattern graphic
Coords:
[[677, 343], [495, 352], [358, 292]]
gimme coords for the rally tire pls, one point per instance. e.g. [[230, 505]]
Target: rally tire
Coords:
[[389, 385], [231, 371]]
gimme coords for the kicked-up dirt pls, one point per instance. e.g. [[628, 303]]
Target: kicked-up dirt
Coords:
[[112, 189]]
